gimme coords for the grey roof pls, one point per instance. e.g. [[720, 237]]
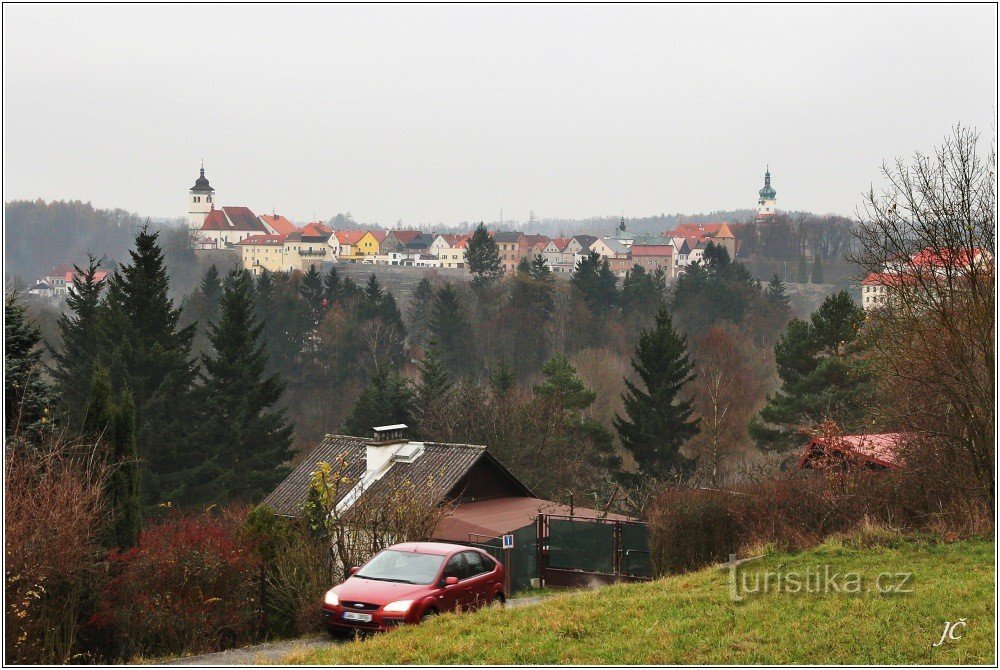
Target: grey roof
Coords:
[[615, 245], [507, 236], [585, 240], [654, 240], [201, 184], [441, 466]]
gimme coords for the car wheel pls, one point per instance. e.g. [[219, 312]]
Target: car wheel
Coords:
[[428, 614], [498, 601]]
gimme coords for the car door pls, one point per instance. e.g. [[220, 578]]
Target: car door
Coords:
[[478, 579], [457, 596]]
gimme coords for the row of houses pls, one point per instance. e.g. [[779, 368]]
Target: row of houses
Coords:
[[58, 282], [272, 242]]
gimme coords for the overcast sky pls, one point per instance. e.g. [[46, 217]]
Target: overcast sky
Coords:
[[445, 114]]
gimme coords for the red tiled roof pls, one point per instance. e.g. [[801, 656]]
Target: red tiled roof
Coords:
[[405, 236], [99, 276], [278, 223], [946, 257], [378, 235], [697, 230], [453, 238], [887, 279], [877, 448], [314, 230], [350, 236], [233, 218], [531, 240], [652, 250], [560, 242], [264, 239]]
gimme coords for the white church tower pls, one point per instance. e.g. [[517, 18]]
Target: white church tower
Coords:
[[766, 204], [200, 201]]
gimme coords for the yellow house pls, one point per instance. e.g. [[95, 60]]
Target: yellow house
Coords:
[[262, 252], [369, 243]]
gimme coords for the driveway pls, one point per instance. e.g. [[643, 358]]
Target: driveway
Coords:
[[272, 652]]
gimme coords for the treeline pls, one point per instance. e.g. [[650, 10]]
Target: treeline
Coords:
[[801, 247]]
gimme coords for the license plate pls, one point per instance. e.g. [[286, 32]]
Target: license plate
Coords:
[[357, 616]]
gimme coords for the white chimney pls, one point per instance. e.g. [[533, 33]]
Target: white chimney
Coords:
[[388, 440]]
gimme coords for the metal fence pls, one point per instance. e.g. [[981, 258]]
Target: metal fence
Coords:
[[579, 552]]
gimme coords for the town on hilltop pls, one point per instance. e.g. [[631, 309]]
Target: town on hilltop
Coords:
[[274, 243]]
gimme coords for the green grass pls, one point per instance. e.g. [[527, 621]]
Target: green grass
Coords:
[[691, 619]]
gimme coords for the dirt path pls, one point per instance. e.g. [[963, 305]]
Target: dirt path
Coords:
[[273, 652]]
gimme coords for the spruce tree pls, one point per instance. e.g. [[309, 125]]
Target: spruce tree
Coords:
[[250, 439], [802, 274], [823, 376], [433, 396], [385, 401], [29, 400], [114, 426], [450, 329], [312, 291], [658, 418], [148, 353], [333, 288], [776, 293], [596, 283], [80, 349], [502, 380], [421, 304], [482, 256]]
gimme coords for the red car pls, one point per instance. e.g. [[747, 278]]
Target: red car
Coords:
[[410, 582]]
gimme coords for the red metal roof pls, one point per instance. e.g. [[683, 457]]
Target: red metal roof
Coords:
[[495, 516], [878, 448]]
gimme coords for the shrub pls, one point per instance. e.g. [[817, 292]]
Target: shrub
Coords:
[[297, 572], [191, 585], [53, 518], [931, 493]]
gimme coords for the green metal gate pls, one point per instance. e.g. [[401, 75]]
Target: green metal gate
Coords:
[[581, 552], [520, 562]]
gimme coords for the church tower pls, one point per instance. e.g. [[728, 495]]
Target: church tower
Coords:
[[766, 204], [200, 201]]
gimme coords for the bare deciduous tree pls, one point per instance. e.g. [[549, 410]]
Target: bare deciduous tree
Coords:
[[933, 229]]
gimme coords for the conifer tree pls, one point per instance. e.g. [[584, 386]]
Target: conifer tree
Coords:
[[802, 274], [250, 439], [333, 288], [29, 400], [596, 283], [148, 353], [385, 401], [658, 419], [80, 329], [433, 397], [421, 304], [312, 291], [776, 293], [502, 380], [823, 376], [450, 329], [114, 426], [482, 256]]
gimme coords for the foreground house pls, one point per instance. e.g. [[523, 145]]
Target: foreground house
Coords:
[[877, 451], [486, 499]]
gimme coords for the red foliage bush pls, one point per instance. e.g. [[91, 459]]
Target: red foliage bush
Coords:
[[692, 528], [191, 585]]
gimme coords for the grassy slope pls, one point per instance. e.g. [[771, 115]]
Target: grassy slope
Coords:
[[690, 619]]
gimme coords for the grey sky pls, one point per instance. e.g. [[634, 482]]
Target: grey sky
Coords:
[[443, 113]]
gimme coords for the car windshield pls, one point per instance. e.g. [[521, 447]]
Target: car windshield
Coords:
[[402, 566]]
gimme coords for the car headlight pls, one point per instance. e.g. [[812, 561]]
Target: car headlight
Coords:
[[331, 598], [398, 606]]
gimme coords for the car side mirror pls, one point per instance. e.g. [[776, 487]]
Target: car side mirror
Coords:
[[353, 570], [450, 581]]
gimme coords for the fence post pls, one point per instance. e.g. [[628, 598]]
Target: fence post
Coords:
[[617, 550], [539, 562]]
